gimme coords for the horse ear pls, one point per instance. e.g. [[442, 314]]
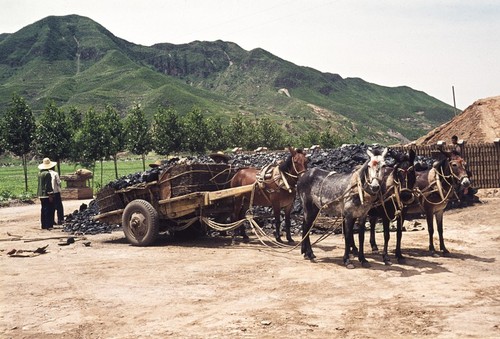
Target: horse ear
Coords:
[[369, 152], [292, 150], [412, 155], [447, 154], [384, 153], [438, 163]]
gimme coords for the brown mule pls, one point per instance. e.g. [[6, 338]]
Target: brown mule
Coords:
[[274, 187]]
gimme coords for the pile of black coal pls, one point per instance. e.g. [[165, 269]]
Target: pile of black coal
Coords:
[[135, 178], [81, 222]]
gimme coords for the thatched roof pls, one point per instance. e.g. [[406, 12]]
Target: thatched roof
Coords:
[[480, 122]]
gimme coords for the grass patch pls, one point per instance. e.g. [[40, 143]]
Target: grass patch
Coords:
[[12, 176]]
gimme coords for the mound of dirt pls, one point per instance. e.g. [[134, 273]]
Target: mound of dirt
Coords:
[[478, 123]]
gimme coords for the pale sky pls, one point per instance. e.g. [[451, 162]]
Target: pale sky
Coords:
[[428, 45]]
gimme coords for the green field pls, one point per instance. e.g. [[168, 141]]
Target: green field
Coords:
[[12, 176]]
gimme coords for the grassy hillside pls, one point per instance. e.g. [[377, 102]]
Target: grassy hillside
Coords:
[[77, 62]]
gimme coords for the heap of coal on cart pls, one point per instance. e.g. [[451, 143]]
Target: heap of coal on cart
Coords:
[[183, 196]]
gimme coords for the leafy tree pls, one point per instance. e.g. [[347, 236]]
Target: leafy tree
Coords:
[[74, 118], [19, 131], [270, 134], [328, 140], [137, 133], [115, 140], [310, 138], [75, 122], [237, 132], [195, 131], [3, 143], [253, 138], [167, 131], [91, 138], [53, 134], [217, 134]]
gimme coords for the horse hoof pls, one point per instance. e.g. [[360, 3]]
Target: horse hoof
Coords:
[[434, 254], [291, 241], [279, 240], [402, 261], [387, 263], [246, 240], [309, 256], [375, 251], [350, 265], [365, 264], [446, 252]]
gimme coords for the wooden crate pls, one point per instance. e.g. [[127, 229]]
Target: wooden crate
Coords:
[[76, 193]]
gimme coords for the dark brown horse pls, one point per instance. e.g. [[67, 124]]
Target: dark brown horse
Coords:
[[434, 188], [274, 187]]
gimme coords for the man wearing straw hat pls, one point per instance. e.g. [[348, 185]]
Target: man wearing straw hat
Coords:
[[58, 205], [45, 193]]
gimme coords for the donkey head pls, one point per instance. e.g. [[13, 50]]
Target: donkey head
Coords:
[[458, 171], [405, 176], [456, 168], [374, 171]]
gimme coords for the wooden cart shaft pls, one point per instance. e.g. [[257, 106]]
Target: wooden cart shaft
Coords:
[[186, 204]]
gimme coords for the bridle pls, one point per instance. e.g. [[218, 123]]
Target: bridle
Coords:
[[405, 186], [294, 167], [367, 183], [448, 179]]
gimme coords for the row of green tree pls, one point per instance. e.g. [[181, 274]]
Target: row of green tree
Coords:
[[101, 135]]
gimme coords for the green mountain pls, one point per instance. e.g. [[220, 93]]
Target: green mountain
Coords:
[[77, 62]]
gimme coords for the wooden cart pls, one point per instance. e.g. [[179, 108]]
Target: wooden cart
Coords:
[[176, 201]]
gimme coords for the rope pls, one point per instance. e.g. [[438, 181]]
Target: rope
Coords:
[[423, 192]]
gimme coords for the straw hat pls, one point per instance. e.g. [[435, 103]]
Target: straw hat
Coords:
[[220, 156], [47, 164], [157, 163]]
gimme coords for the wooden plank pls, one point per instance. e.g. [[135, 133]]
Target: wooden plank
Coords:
[[180, 206], [189, 203], [229, 192]]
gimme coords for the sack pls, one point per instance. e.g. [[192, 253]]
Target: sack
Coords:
[[84, 173]]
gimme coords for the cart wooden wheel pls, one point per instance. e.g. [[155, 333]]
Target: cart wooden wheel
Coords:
[[140, 223]]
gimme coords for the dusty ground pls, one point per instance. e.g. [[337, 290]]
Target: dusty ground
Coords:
[[210, 289]]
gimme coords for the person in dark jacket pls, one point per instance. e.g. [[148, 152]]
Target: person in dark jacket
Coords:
[[45, 193], [457, 150]]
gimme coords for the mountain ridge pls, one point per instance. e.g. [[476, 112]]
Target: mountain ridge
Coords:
[[78, 62]]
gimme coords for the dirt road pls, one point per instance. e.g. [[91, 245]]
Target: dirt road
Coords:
[[210, 289]]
